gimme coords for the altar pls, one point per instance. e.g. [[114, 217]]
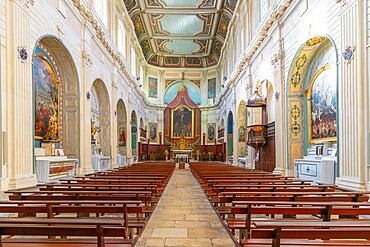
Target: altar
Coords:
[[182, 154], [53, 167], [100, 162]]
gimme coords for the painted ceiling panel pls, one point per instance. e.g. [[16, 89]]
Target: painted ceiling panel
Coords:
[[182, 46], [181, 33], [181, 3], [184, 25]]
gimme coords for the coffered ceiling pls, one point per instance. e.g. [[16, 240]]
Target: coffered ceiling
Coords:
[[181, 33]]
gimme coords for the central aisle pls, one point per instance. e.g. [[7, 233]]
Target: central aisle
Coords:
[[184, 217]]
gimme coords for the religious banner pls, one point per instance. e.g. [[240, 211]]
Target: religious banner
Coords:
[[153, 87], [212, 88]]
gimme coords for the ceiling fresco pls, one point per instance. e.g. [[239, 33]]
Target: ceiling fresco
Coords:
[[181, 33]]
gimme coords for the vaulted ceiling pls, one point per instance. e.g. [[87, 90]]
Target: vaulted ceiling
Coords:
[[181, 33]]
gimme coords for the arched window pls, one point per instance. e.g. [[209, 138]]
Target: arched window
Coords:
[[121, 38], [101, 8]]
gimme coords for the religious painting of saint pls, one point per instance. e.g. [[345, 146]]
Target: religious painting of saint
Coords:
[[182, 122], [153, 131], [212, 88], [47, 114], [322, 106], [241, 134], [153, 85], [122, 137], [211, 131]]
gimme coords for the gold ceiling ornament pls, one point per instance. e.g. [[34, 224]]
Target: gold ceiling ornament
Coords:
[[314, 41]]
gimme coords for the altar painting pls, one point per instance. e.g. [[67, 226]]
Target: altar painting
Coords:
[[153, 131], [182, 122], [47, 105], [122, 137], [322, 106]]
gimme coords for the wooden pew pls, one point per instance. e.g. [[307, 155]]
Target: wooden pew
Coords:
[[309, 234]]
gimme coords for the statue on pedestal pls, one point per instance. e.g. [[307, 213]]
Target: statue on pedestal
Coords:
[[166, 153]]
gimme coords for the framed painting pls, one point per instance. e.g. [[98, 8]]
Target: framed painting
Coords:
[[182, 122], [322, 106], [153, 131], [212, 88], [47, 103], [153, 87], [211, 131]]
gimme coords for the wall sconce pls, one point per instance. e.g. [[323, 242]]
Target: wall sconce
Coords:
[[277, 95], [222, 85], [138, 78], [88, 95], [115, 113], [225, 78], [140, 85]]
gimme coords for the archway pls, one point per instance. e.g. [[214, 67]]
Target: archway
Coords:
[[315, 55], [121, 127], [56, 98], [100, 118], [230, 125]]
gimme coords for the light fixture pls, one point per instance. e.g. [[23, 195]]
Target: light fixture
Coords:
[[88, 95], [222, 85], [138, 78], [140, 85], [225, 78]]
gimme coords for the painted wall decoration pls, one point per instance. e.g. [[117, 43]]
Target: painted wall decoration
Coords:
[[153, 131], [241, 134], [47, 97], [182, 122], [193, 92], [322, 106], [211, 128], [212, 88], [153, 87], [122, 137]]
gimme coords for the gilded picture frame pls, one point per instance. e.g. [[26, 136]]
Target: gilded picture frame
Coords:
[[322, 106], [182, 122]]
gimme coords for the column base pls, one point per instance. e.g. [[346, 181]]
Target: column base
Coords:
[[86, 170], [278, 170], [18, 182], [350, 183]]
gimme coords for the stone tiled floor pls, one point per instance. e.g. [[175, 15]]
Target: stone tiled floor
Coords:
[[184, 217]]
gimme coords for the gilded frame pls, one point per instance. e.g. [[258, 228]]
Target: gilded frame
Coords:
[[321, 111], [181, 124]]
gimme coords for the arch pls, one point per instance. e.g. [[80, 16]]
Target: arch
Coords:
[[134, 133], [100, 116], [193, 91], [121, 127], [242, 124], [313, 54], [230, 126], [56, 96]]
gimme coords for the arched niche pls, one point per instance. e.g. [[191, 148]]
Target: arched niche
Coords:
[[121, 127], [312, 56], [134, 131], [56, 96], [100, 116], [230, 126], [242, 133]]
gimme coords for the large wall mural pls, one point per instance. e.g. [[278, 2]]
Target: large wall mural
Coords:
[[192, 90], [47, 97], [166, 42]]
